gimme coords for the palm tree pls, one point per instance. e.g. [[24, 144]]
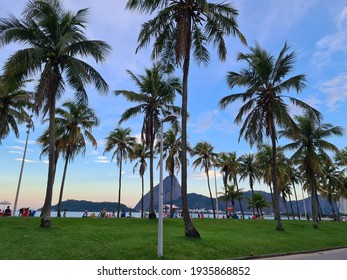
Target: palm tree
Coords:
[[331, 185], [341, 158], [178, 28], [56, 44], [172, 154], [265, 79], [249, 168], [205, 154], [259, 202], [74, 123], [141, 153], [294, 178], [283, 177], [13, 104], [263, 157], [123, 145], [229, 165], [157, 92], [310, 146], [231, 193]]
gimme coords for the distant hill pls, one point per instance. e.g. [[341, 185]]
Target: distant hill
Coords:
[[195, 201], [81, 205], [198, 201]]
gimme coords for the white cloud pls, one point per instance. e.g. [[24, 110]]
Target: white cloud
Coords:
[[335, 90], [332, 43], [26, 160], [205, 121], [278, 17], [15, 148], [30, 142], [202, 175], [16, 152], [102, 159]]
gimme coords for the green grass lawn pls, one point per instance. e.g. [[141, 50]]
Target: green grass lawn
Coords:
[[128, 239]]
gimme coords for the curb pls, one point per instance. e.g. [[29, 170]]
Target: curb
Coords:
[[288, 254]]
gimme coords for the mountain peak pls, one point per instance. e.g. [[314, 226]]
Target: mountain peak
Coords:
[[176, 193]]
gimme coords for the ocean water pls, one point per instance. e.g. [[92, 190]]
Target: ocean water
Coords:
[[77, 214], [193, 214]]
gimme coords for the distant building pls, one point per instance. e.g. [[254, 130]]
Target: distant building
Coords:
[[343, 206]]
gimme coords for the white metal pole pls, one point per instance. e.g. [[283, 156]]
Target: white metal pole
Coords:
[[215, 186], [21, 169], [303, 199], [160, 221]]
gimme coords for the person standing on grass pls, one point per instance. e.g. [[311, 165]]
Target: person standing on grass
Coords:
[[8, 212]]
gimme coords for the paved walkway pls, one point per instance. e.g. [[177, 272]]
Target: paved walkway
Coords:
[[334, 254]]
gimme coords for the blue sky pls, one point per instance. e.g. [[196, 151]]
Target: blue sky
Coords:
[[315, 29]]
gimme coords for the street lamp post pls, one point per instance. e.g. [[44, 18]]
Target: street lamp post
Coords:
[[29, 125], [160, 207], [161, 187]]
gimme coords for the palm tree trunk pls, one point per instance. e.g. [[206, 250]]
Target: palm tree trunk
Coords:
[[62, 185], [320, 212], [120, 182], [143, 190], [285, 205], [189, 228], [313, 200], [296, 199], [239, 199], [331, 202], [291, 207], [46, 209], [251, 186], [226, 191], [209, 189], [171, 187], [233, 206], [279, 225]]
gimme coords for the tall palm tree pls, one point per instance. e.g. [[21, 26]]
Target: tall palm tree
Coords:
[[141, 153], [172, 153], [14, 102], [155, 99], [205, 154], [179, 28], [266, 78], [310, 145], [54, 45], [249, 168], [74, 124], [123, 145]]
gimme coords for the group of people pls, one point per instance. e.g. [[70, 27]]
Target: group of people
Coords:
[[6, 213], [24, 212], [103, 214]]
